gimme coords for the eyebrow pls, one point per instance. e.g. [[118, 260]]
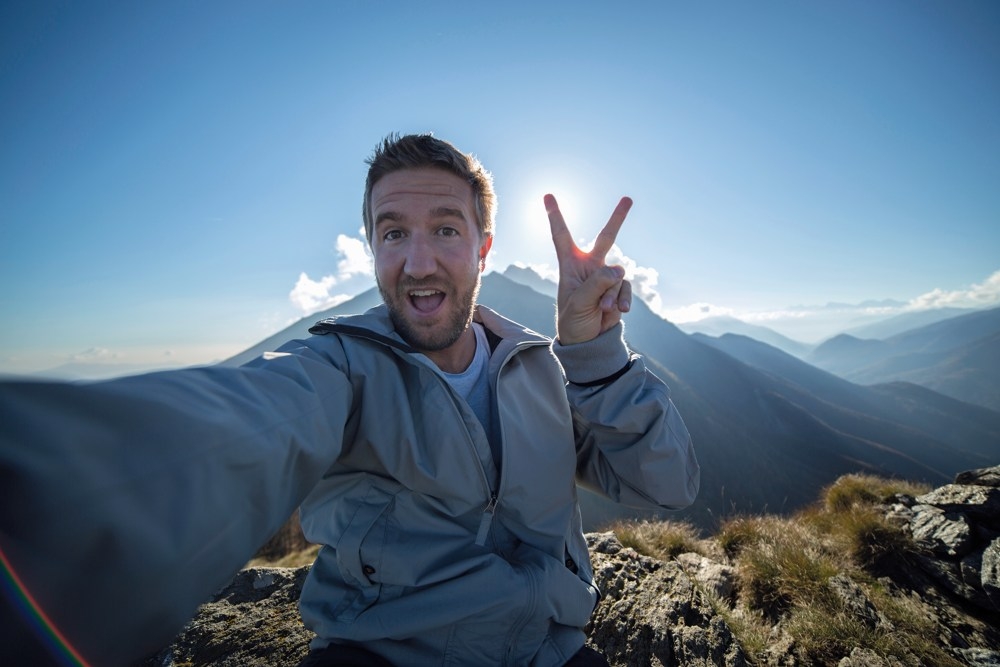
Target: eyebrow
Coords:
[[391, 216], [447, 212], [439, 212]]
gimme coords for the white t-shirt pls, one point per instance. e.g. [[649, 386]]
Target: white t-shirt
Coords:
[[473, 384]]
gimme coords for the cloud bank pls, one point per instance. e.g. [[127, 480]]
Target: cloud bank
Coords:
[[982, 294], [310, 296]]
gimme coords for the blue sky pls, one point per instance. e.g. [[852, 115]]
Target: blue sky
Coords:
[[179, 180]]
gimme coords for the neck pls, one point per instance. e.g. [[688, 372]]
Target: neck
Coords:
[[456, 357]]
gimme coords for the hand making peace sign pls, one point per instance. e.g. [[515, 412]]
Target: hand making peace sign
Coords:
[[592, 296]]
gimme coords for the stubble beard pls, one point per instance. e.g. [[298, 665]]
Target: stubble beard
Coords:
[[441, 335]]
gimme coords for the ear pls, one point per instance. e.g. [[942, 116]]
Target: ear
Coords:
[[484, 250]]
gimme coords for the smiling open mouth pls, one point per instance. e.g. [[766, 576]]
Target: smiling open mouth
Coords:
[[426, 300]]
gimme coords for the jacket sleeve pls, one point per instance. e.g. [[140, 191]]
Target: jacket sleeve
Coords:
[[632, 445], [125, 504]]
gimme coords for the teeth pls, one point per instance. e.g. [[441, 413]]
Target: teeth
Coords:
[[423, 292]]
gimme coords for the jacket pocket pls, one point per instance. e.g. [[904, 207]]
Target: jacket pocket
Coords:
[[360, 549], [562, 596]]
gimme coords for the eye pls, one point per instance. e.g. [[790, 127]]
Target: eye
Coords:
[[448, 231], [392, 235]]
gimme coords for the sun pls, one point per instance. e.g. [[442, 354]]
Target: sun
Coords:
[[523, 234]]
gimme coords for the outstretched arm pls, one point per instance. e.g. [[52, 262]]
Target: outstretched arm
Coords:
[[592, 295]]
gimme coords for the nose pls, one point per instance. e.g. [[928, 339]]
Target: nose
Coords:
[[420, 259]]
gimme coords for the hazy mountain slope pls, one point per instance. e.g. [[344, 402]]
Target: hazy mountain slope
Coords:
[[961, 425], [723, 324], [904, 322], [949, 334], [959, 357], [530, 278], [970, 373], [300, 328]]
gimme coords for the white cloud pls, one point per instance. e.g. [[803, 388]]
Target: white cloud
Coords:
[[94, 355], [697, 311], [310, 296], [644, 279], [355, 257], [985, 293]]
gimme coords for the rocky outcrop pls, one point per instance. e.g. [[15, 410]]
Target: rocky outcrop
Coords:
[[675, 612], [252, 621], [956, 569], [655, 613], [652, 613]]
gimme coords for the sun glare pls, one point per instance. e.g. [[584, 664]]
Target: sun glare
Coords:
[[527, 211]]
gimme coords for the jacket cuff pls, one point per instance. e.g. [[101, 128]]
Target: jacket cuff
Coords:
[[590, 362]]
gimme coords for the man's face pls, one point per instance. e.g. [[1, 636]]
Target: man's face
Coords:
[[428, 255]]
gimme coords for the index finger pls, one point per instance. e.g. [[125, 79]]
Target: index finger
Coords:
[[606, 239], [561, 237]]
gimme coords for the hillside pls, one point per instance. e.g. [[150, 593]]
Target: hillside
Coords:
[[722, 325]]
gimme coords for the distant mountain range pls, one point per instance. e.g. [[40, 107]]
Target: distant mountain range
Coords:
[[770, 429], [724, 324], [959, 357], [884, 328]]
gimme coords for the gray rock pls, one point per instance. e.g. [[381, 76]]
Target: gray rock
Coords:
[[981, 501], [948, 576], [854, 600], [979, 657], [652, 613], [716, 579], [252, 622], [943, 533], [863, 657], [989, 573], [980, 477]]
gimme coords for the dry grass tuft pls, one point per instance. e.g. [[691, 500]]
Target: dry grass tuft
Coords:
[[659, 539], [856, 490], [295, 559], [784, 566]]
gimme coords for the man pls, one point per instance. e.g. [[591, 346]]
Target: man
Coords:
[[433, 445]]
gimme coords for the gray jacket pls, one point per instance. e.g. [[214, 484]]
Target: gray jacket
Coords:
[[126, 503]]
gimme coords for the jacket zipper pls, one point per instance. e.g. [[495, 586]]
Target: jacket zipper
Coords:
[[486, 520]]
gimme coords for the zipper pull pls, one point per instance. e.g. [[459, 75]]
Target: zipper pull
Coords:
[[486, 521]]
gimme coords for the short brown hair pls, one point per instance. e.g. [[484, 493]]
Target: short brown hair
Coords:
[[413, 151]]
